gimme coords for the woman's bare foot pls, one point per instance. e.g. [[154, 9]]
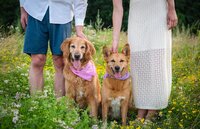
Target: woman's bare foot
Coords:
[[151, 115]]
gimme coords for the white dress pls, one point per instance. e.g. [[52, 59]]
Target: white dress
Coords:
[[150, 43]]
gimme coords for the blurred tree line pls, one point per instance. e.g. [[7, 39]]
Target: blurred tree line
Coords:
[[188, 13]]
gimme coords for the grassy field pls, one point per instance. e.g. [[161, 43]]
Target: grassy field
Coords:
[[19, 110]]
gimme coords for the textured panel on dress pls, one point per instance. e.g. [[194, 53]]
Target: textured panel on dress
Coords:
[[151, 72]]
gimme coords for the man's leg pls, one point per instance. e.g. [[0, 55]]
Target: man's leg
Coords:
[[57, 34], [59, 83], [36, 79]]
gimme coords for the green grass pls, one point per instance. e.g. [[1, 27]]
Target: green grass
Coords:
[[19, 110]]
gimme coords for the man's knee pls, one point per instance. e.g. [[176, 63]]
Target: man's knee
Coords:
[[38, 60], [58, 62]]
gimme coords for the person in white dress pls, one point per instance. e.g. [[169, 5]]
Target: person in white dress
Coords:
[[149, 35]]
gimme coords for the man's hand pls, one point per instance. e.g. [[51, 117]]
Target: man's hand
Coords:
[[24, 18], [79, 32]]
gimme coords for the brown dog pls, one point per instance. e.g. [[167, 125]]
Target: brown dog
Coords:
[[81, 80], [116, 89]]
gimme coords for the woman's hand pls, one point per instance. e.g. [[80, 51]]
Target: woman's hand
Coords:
[[172, 19], [24, 18], [114, 47]]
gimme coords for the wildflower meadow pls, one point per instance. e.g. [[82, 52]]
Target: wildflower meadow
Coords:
[[21, 111]]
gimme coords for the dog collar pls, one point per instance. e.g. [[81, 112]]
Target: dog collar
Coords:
[[85, 73], [126, 76]]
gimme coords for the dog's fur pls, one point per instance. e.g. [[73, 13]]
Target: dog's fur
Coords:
[[116, 94], [85, 93]]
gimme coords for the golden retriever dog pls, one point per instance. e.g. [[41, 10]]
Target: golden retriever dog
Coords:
[[81, 80], [116, 89]]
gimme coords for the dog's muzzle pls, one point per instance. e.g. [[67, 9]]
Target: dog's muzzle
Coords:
[[117, 69], [77, 56]]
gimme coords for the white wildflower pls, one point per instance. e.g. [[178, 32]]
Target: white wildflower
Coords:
[[94, 126], [18, 67], [35, 102], [31, 109], [45, 93], [6, 81], [63, 124], [28, 96], [23, 65], [15, 112], [15, 119], [17, 105], [22, 74], [17, 96], [48, 73]]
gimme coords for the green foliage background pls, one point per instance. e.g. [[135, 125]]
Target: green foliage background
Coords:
[[19, 110], [188, 13]]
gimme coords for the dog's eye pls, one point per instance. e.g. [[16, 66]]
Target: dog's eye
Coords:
[[112, 61], [82, 47], [72, 46], [121, 60]]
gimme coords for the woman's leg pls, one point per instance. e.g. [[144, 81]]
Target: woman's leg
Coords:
[[141, 113]]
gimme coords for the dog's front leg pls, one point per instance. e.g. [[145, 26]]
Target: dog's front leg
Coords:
[[104, 111], [93, 107], [124, 110], [69, 90]]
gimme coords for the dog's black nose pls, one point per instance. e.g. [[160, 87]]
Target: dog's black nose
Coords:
[[77, 57], [117, 68]]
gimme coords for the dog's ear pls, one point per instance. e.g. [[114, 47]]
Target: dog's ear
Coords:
[[65, 47], [106, 52], [90, 48], [126, 50]]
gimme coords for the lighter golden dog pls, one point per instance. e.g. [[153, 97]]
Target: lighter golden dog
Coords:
[[81, 80], [116, 89]]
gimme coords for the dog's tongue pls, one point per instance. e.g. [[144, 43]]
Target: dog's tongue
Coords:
[[117, 75], [77, 64]]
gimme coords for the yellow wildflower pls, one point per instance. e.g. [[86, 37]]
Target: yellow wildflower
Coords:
[[183, 113], [122, 127], [169, 111], [174, 103], [180, 125], [160, 113], [142, 120], [138, 127], [194, 111], [132, 122]]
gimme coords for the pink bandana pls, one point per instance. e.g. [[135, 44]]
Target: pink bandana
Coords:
[[86, 73], [126, 76]]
